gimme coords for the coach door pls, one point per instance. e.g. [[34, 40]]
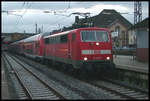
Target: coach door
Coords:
[[34, 47]]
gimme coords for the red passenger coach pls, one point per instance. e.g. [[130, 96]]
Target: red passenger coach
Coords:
[[16, 47], [33, 46], [80, 47]]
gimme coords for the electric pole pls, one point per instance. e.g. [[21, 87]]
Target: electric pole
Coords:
[[42, 28], [137, 19], [36, 28], [137, 12]]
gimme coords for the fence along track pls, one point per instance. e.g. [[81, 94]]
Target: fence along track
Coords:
[[35, 88]]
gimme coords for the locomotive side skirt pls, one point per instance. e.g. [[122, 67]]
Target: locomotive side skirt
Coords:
[[78, 63]]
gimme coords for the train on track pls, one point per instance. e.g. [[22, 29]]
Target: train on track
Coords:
[[81, 48]]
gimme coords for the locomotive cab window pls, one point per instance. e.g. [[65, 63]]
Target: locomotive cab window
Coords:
[[94, 36]]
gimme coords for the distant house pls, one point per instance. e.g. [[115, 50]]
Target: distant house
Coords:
[[113, 20], [11, 37], [142, 34]]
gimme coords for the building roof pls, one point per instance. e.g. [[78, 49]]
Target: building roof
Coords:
[[107, 17], [142, 24]]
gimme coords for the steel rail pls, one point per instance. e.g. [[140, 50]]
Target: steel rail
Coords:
[[57, 94], [19, 79], [109, 89], [124, 85]]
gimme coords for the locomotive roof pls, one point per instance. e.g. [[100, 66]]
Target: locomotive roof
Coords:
[[46, 34], [66, 32], [61, 33]]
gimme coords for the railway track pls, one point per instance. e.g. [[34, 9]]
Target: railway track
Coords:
[[116, 87], [116, 91], [33, 86], [119, 90]]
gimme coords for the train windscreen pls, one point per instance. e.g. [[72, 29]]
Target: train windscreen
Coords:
[[92, 36]]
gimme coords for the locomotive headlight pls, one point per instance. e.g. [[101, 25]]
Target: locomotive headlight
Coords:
[[85, 58], [108, 58], [97, 43]]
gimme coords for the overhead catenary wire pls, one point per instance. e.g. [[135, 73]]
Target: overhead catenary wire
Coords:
[[62, 15], [23, 5], [54, 23], [21, 16], [55, 13], [28, 6]]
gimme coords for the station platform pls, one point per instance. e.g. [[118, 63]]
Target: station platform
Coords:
[[4, 83], [130, 63]]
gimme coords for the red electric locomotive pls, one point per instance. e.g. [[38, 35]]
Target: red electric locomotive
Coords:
[[81, 47]]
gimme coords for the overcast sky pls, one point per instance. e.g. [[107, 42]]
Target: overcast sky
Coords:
[[55, 15]]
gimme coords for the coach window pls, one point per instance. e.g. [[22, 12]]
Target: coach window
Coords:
[[64, 38], [37, 44], [73, 36]]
